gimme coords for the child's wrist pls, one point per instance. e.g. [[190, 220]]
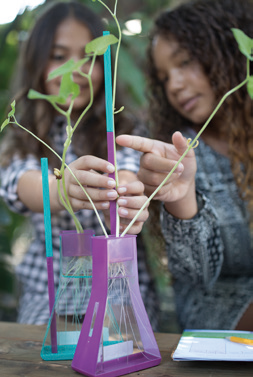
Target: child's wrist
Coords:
[[185, 208]]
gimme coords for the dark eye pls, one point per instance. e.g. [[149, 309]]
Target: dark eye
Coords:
[[57, 57], [162, 80], [185, 62]]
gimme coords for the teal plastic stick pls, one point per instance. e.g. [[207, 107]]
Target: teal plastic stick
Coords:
[[49, 252], [108, 88], [46, 204], [110, 129]]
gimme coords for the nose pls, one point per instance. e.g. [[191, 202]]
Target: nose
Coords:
[[176, 82]]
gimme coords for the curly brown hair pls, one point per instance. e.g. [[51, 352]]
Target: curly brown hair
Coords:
[[38, 115], [203, 28]]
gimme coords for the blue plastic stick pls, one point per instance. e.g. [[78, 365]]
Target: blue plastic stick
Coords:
[[108, 88], [110, 128], [49, 251], [46, 205]]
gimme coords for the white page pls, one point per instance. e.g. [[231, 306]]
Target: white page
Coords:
[[203, 348]]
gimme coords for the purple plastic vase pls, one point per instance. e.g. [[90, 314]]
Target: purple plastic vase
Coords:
[[116, 336]]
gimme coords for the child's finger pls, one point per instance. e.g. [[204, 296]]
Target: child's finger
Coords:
[[135, 228], [128, 213], [132, 188], [87, 178], [181, 143], [78, 204], [95, 163], [134, 202], [138, 143], [156, 163], [76, 192]]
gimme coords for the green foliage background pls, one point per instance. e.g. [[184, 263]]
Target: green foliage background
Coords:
[[130, 76]]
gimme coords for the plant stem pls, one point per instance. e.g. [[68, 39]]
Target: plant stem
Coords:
[[191, 145], [78, 226], [88, 76], [66, 146]]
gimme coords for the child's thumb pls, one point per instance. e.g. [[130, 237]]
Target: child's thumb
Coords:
[[181, 143]]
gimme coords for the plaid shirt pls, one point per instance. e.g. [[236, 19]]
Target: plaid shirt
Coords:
[[32, 271]]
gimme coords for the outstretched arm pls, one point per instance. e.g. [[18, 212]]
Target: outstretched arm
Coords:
[[85, 169]]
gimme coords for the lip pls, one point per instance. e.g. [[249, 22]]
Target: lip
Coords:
[[188, 104]]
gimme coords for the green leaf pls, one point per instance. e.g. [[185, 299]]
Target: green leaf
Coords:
[[80, 63], [64, 68], [12, 112], [68, 87], [245, 43], [250, 87], [4, 124], [98, 46], [68, 67], [33, 94]]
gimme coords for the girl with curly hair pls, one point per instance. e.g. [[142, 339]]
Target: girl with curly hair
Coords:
[[207, 204], [61, 33]]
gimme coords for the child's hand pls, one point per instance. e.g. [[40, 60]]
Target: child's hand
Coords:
[[178, 193], [99, 186], [131, 198]]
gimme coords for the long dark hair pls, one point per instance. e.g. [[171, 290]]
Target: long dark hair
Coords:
[[203, 28], [38, 115]]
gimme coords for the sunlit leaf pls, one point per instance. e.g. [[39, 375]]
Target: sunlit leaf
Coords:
[[4, 124], [98, 46], [33, 94], [68, 67], [250, 87], [245, 43]]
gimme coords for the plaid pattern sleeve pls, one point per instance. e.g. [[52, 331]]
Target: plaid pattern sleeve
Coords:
[[9, 178], [128, 159]]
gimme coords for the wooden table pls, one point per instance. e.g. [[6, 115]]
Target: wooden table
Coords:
[[20, 347]]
